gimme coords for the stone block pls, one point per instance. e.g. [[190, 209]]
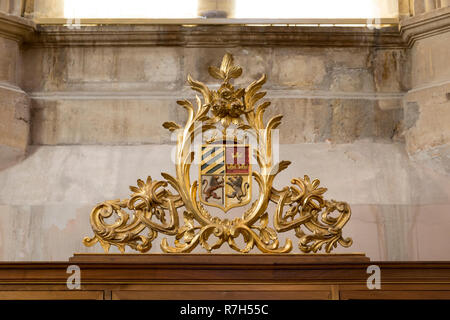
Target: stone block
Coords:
[[14, 126], [355, 119], [351, 80], [428, 111], [391, 70], [8, 60], [351, 119], [304, 120], [32, 70], [388, 120], [334, 120], [302, 69], [419, 7], [106, 121], [348, 58], [429, 57], [105, 69]]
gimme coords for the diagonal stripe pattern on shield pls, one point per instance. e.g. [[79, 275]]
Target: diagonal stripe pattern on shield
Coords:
[[213, 160]]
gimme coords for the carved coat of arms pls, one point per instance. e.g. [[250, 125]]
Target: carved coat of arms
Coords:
[[179, 206], [225, 175]]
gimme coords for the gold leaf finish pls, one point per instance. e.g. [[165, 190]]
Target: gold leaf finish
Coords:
[[159, 206]]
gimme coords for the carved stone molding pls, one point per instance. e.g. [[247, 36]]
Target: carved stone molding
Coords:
[[217, 36], [15, 28], [425, 25], [35, 34]]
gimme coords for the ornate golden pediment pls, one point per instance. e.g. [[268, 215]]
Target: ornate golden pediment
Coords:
[[231, 117]]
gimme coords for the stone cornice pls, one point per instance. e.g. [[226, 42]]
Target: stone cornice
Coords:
[[425, 25], [187, 93], [216, 36], [15, 28]]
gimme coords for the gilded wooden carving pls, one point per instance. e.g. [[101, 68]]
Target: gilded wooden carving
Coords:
[[226, 180]]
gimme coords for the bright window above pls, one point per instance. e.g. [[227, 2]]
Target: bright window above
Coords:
[[215, 11], [239, 9]]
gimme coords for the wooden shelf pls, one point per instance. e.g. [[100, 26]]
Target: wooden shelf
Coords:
[[220, 259], [224, 276]]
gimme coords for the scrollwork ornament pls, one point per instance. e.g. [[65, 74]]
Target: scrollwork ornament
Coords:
[[159, 206]]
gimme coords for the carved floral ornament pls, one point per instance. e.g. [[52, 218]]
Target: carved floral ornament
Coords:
[[176, 207]]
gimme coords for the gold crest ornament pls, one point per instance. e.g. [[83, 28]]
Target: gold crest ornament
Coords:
[[225, 181]]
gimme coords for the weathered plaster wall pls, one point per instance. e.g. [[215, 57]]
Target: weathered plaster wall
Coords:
[[398, 209]]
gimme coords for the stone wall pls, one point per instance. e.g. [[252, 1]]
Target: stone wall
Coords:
[[14, 102], [427, 104], [333, 92], [100, 94]]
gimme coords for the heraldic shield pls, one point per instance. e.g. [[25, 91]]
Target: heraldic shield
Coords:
[[225, 175]]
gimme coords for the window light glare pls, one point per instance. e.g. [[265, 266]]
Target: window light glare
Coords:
[[244, 9], [291, 9], [90, 9]]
